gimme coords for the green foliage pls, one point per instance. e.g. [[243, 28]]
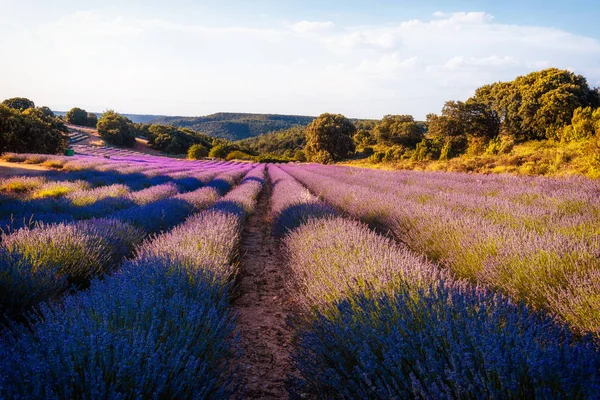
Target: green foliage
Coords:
[[47, 111], [92, 120], [368, 151], [197, 152], [584, 125], [329, 138], [236, 126], [238, 155], [220, 150], [271, 158], [19, 103], [77, 116], [322, 157], [363, 138], [299, 155], [537, 105], [175, 140], [116, 129], [398, 129], [428, 149], [278, 142], [30, 131]]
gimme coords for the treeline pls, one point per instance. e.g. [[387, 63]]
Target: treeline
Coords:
[[236, 126], [25, 128], [553, 105]]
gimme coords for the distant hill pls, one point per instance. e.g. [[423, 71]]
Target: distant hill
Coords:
[[137, 118], [236, 126]]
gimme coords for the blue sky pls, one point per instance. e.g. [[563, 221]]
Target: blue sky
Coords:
[[360, 58]]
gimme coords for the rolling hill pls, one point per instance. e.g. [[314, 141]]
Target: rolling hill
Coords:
[[236, 126]]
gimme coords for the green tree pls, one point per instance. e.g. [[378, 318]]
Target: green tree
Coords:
[[31, 131], [584, 125], [238, 155], [77, 116], [47, 111], [539, 104], [197, 152], [19, 103], [220, 150], [398, 129], [329, 138], [92, 120], [116, 129]]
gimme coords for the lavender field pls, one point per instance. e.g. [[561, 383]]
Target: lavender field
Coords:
[[129, 277]]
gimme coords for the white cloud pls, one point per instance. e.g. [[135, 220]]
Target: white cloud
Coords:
[[104, 60], [312, 26]]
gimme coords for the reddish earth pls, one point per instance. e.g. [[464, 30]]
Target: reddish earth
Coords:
[[262, 308], [94, 139]]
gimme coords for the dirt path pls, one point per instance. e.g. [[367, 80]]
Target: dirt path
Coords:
[[8, 169], [262, 307]]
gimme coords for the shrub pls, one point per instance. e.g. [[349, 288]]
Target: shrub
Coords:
[[92, 120], [300, 155], [156, 329], [30, 131], [368, 151], [443, 343], [376, 158], [24, 284], [322, 157], [238, 155], [197, 152], [115, 129], [220, 151], [77, 116], [80, 251]]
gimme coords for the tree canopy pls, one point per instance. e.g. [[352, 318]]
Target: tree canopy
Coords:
[[78, 116], [329, 138], [398, 129], [116, 129], [19, 103], [30, 130], [171, 139]]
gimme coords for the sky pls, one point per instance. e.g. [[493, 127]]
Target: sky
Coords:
[[364, 59]]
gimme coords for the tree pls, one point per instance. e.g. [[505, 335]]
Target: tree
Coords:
[[197, 152], [92, 120], [584, 125], [31, 131], [77, 116], [398, 129], [47, 111], [116, 129], [220, 150], [19, 103], [174, 140], [539, 104], [329, 138]]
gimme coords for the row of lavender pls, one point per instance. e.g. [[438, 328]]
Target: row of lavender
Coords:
[[89, 187], [380, 322], [160, 327], [42, 262], [534, 239]]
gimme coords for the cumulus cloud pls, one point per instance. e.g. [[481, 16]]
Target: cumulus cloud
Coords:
[[100, 60]]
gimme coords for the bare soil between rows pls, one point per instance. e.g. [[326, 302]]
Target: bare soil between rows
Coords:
[[263, 306]]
